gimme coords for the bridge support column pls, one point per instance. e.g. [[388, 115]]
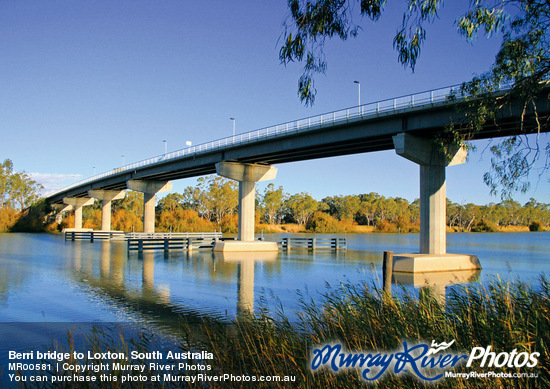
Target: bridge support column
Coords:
[[78, 203], [247, 175], [60, 209], [106, 196], [149, 190], [433, 201]]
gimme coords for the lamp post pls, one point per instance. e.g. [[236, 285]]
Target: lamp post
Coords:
[[94, 170], [358, 90], [122, 160], [165, 146], [233, 119]]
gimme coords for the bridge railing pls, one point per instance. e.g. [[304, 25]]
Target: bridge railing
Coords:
[[365, 111]]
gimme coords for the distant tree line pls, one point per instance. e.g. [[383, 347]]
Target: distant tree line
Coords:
[[213, 204]]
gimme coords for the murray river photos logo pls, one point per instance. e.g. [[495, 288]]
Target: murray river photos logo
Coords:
[[426, 362]]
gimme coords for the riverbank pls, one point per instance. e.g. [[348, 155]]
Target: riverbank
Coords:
[[357, 229]]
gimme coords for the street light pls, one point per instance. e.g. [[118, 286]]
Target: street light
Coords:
[[359, 90], [233, 125], [165, 146], [94, 170], [122, 160]]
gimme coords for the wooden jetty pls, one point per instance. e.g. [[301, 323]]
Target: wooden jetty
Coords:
[[314, 243]]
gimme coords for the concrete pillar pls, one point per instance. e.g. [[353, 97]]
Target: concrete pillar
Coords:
[[78, 203], [60, 209], [247, 204], [106, 196], [149, 190], [433, 196], [247, 174], [433, 202]]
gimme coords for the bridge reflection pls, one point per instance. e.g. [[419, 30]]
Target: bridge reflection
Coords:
[[436, 282], [112, 277]]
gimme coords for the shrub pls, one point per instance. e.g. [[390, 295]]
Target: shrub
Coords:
[[230, 224], [386, 226], [183, 220], [536, 226], [485, 226], [324, 223], [8, 218]]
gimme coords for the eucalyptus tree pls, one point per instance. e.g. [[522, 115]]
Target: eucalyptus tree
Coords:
[[272, 203], [301, 207], [523, 61]]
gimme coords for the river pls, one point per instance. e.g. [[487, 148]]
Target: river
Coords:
[[48, 284], [45, 279]]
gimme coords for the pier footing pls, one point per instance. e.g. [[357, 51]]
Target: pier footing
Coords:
[[240, 246], [421, 263]]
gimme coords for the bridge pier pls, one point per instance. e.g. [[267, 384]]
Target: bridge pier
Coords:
[[247, 174], [149, 190], [78, 203], [60, 209], [433, 254], [106, 196]]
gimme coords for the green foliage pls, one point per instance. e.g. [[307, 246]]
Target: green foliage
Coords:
[[171, 202], [386, 226], [272, 204], [536, 226], [523, 61], [230, 224], [8, 218], [123, 220], [33, 218], [343, 207], [132, 203], [17, 189], [484, 226], [321, 222], [182, 220], [301, 207], [92, 218]]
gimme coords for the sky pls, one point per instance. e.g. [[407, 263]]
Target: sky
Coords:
[[84, 83]]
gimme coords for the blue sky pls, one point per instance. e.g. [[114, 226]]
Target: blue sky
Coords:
[[83, 83]]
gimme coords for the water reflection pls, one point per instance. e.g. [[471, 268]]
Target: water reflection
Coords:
[[43, 278], [245, 275], [437, 282]]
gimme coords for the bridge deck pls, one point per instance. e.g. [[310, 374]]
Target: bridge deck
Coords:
[[355, 130]]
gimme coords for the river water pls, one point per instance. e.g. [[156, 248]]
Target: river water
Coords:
[[49, 285], [46, 279]]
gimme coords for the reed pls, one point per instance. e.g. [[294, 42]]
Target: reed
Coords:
[[505, 315]]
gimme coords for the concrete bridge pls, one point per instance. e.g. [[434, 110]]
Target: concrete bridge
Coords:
[[407, 124]]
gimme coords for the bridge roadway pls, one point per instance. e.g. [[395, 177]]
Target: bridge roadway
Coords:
[[368, 128], [407, 123]]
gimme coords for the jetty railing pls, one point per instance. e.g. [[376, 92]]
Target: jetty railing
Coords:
[[92, 235], [314, 243], [172, 241]]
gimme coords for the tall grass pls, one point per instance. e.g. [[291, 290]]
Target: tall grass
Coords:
[[503, 315], [361, 317]]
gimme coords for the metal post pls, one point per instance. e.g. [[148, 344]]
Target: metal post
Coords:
[[387, 270]]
